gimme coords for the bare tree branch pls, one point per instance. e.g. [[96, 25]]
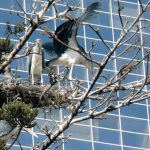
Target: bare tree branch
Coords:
[[73, 99], [23, 39]]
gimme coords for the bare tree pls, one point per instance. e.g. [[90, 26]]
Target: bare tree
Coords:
[[74, 98]]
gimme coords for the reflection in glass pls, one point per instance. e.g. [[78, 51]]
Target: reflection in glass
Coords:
[[108, 136], [134, 125], [136, 140], [78, 145], [110, 122], [78, 131], [100, 146], [135, 110], [128, 9]]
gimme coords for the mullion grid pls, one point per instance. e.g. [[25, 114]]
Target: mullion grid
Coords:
[[144, 70], [90, 104]]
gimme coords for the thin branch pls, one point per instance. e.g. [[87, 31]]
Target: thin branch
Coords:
[[133, 45], [29, 17], [141, 5], [66, 123], [103, 102], [97, 32], [51, 34], [63, 142], [119, 12], [109, 108], [19, 130], [35, 5], [24, 38], [130, 37], [138, 17]]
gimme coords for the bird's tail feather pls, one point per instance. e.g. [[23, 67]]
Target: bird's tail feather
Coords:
[[89, 12]]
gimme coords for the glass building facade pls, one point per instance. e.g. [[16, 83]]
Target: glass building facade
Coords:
[[127, 128]]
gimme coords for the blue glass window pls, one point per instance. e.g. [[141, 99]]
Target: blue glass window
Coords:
[[11, 4], [25, 139], [101, 19], [108, 136], [129, 52], [106, 75], [146, 38], [136, 140], [104, 6], [145, 1], [77, 145], [117, 23], [130, 148], [109, 122], [133, 1], [6, 16], [99, 146], [99, 48], [137, 70], [49, 113], [135, 110], [134, 125], [147, 27], [128, 9], [79, 132]]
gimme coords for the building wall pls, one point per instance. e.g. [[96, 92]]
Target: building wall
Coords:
[[123, 129]]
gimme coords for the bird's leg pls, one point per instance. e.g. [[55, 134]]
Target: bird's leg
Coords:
[[35, 79], [70, 76], [32, 78], [70, 73], [67, 76], [67, 69], [53, 75], [29, 78], [42, 81]]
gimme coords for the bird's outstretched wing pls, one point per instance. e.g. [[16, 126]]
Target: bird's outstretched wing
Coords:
[[68, 30], [49, 48], [89, 12], [65, 32]]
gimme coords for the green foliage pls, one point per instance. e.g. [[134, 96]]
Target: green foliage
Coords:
[[55, 100], [8, 28], [5, 45], [3, 145], [18, 112], [18, 28], [52, 76]]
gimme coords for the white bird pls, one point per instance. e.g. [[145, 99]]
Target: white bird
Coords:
[[67, 33], [36, 63]]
